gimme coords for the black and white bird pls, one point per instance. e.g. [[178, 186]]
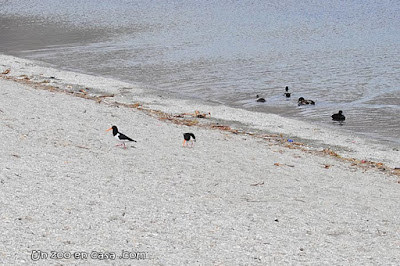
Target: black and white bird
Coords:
[[187, 137], [339, 116], [287, 93], [120, 137]]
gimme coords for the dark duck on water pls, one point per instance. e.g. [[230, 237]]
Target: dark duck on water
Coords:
[[260, 100], [120, 137], [303, 101], [287, 93], [339, 116]]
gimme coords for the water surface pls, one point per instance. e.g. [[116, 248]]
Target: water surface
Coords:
[[341, 54]]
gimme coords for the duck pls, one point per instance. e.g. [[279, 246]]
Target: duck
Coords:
[[339, 116], [260, 100], [303, 101], [287, 93]]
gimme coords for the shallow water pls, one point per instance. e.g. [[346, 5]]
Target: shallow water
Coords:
[[342, 54]]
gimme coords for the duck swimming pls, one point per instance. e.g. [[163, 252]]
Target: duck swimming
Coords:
[[339, 116], [303, 101], [260, 100], [287, 93]]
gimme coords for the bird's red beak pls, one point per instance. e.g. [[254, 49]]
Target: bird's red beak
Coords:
[[109, 129]]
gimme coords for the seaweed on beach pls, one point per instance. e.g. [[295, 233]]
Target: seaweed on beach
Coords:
[[5, 72], [182, 119], [223, 127], [195, 114]]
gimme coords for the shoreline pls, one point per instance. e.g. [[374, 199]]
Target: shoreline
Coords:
[[235, 198], [343, 144]]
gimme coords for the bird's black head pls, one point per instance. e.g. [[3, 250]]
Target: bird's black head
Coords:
[[287, 88], [114, 129], [187, 136], [301, 99], [340, 112]]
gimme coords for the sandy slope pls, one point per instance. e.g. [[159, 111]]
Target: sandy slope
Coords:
[[65, 187]]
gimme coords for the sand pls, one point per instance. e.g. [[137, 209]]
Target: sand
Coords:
[[232, 199]]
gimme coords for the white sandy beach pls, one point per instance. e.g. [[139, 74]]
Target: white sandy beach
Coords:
[[230, 200]]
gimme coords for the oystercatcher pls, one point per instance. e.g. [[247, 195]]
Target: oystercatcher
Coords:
[[260, 100], [339, 116], [120, 137], [187, 137], [287, 93], [302, 101]]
